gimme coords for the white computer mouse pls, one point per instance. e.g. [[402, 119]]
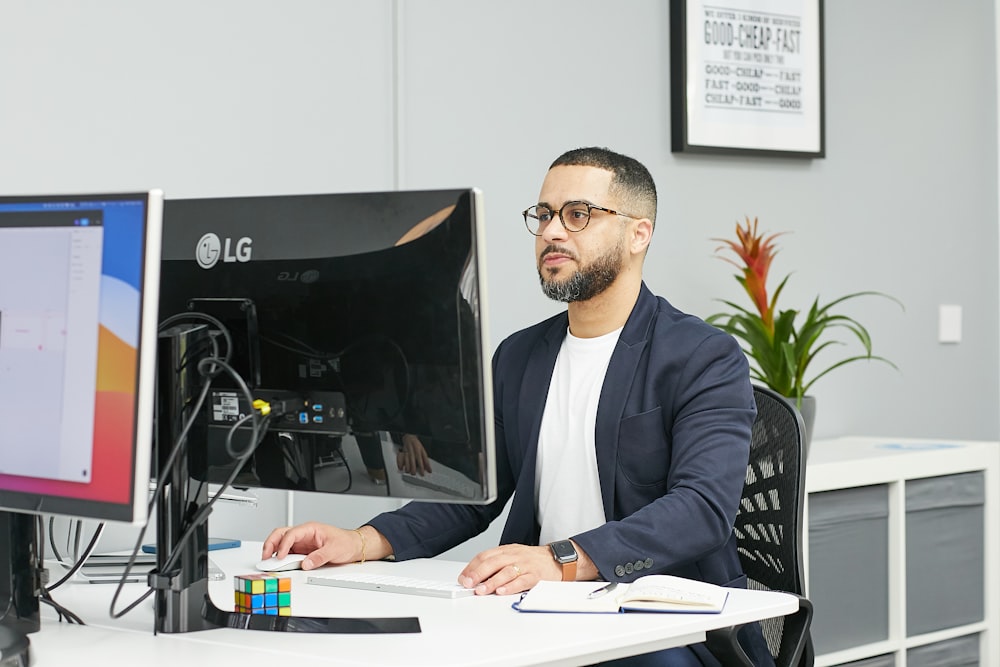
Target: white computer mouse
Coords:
[[289, 562]]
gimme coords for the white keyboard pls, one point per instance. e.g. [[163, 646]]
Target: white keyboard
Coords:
[[392, 584]]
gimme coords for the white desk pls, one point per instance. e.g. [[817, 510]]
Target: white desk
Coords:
[[473, 631]]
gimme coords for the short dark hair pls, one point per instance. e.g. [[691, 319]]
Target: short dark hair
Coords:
[[631, 183]]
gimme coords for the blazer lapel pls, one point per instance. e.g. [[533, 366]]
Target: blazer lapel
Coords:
[[531, 404], [614, 394]]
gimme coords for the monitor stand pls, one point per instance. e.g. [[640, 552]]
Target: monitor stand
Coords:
[[19, 585], [14, 648], [182, 601]]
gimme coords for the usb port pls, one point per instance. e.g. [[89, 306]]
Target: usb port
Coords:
[[317, 407], [318, 419], [303, 418]]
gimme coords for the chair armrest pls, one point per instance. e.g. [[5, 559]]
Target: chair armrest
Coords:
[[799, 624], [724, 645]]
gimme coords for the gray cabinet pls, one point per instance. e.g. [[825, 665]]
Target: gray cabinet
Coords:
[[849, 573], [902, 552]]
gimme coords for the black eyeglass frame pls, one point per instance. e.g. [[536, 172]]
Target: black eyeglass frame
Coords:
[[590, 208]]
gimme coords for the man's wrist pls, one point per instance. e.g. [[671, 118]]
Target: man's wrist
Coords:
[[565, 554], [376, 547], [364, 546], [585, 568]]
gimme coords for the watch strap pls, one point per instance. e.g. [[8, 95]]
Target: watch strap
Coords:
[[569, 571]]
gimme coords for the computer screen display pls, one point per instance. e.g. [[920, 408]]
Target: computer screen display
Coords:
[[78, 288], [365, 312]]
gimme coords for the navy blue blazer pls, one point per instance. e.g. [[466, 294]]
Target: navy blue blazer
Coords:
[[672, 441]]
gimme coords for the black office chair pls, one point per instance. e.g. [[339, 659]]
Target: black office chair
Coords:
[[769, 533]]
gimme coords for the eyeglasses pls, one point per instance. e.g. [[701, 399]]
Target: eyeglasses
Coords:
[[574, 216]]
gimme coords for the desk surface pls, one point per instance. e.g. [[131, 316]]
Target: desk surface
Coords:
[[477, 631], [840, 463]]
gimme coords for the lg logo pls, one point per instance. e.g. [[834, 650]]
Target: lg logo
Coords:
[[210, 249], [308, 277]]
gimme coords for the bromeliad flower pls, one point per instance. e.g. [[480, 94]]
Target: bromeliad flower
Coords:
[[779, 351], [756, 251]]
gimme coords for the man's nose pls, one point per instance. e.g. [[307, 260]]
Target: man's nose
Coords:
[[555, 230]]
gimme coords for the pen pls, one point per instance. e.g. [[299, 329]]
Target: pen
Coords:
[[602, 590]]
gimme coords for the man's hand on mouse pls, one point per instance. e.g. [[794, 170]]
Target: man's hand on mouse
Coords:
[[324, 544]]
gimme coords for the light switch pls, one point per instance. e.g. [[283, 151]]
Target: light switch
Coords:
[[949, 323]]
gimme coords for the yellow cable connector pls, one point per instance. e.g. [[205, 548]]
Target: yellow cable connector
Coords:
[[262, 406]]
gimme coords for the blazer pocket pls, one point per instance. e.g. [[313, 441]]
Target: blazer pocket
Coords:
[[643, 450]]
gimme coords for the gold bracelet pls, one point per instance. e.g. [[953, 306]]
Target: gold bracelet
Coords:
[[363, 545]]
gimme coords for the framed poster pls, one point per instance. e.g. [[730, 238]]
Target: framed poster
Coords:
[[746, 76]]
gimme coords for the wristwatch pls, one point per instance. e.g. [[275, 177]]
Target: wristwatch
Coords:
[[565, 554]]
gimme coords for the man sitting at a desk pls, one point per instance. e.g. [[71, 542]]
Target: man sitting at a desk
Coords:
[[622, 424]]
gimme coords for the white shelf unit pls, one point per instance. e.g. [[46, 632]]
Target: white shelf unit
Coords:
[[852, 462]]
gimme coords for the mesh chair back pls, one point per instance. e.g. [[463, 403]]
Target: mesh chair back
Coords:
[[769, 523]]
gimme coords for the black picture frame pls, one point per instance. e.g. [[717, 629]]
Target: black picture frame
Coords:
[[746, 77]]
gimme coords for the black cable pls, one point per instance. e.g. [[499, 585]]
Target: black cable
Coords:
[[81, 560], [44, 594], [52, 542], [294, 464], [62, 611], [347, 467], [129, 608]]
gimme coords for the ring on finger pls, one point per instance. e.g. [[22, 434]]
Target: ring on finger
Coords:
[[517, 571]]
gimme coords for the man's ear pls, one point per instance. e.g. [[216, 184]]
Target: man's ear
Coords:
[[642, 233]]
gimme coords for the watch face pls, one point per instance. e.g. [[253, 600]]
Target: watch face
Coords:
[[563, 551]]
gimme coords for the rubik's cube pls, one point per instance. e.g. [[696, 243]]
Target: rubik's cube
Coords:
[[263, 593]]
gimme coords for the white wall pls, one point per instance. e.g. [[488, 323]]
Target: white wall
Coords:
[[260, 97], [199, 98]]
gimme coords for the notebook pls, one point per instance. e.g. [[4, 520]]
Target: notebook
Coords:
[[652, 593]]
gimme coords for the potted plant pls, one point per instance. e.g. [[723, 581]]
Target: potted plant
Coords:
[[780, 347]]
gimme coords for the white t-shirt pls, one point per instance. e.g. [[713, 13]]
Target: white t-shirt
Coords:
[[567, 488]]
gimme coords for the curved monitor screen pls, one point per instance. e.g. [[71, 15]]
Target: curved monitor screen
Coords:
[[364, 314], [78, 288]]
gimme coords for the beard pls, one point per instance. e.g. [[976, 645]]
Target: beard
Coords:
[[589, 280]]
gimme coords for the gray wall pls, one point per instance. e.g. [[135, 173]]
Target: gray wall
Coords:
[[252, 97]]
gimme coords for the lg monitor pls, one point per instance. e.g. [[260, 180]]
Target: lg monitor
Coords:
[[79, 281], [367, 312], [358, 320]]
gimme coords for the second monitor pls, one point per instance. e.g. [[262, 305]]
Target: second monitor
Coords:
[[362, 314]]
